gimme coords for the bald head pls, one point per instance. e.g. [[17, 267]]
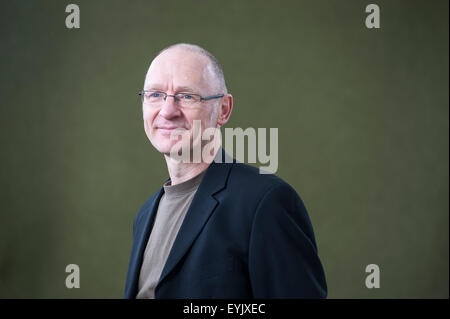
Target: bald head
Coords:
[[212, 70], [189, 69]]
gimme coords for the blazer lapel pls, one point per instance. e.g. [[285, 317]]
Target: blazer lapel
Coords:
[[201, 208], [142, 235]]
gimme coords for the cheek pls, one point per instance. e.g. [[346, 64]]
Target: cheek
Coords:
[[148, 117], [213, 116], [208, 118]]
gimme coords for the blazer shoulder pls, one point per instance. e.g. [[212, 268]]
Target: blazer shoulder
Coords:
[[250, 178]]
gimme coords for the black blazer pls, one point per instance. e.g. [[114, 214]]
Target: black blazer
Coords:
[[245, 235]]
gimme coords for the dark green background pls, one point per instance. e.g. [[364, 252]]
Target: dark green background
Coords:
[[362, 117]]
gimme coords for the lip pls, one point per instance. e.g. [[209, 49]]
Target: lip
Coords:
[[167, 129]]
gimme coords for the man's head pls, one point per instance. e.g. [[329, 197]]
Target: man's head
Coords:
[[184, 68]]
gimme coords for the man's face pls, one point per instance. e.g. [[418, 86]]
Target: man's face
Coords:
[[174, 71]]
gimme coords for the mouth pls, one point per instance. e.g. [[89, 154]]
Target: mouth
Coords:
[[168, 129]]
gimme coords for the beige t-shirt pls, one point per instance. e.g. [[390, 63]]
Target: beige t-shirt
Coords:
[[172, 208]]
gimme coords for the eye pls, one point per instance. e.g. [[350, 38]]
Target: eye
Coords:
[[155, 94], [187, 97]]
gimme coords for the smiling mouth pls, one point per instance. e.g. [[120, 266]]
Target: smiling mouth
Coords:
[[169, 129]]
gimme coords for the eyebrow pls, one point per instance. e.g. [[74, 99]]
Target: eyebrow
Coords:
[[156, 87], [184, 89]]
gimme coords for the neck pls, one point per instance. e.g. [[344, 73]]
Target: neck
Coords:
[[180, 172]]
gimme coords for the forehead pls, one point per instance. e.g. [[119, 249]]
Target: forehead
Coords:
[[179, 68]]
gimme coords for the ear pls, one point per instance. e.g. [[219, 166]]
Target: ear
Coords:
[[225, 110]]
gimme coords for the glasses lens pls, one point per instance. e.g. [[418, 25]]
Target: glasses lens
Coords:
[[152, 97], [186, 99]]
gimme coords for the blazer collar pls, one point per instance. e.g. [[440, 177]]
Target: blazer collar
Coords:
[[201, 208], [139, 244]]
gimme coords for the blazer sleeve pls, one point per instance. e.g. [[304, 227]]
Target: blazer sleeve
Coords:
[[283, 259]]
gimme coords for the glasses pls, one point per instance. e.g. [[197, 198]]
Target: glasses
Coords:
[[156, 98]]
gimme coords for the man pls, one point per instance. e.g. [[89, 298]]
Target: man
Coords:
[[215, 229]]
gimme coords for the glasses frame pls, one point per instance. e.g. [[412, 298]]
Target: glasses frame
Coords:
[[206, 98]]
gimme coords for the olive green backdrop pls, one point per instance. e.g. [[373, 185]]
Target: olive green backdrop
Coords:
[[362, 117]]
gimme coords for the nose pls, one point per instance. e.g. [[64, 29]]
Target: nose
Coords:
[[169, 109]]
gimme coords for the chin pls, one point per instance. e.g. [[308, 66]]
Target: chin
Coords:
[[162, 143], [163, 147]]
